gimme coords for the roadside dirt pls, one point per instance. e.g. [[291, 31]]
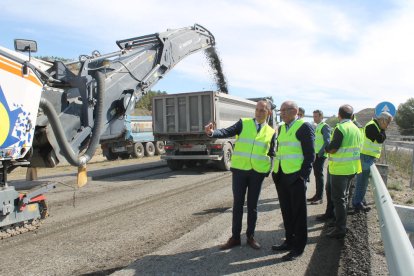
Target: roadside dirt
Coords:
[[401, 192]]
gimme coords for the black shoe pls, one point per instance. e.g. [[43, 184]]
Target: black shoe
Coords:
[[317, 201], [361, 207], [311, 199], [291, 256], [330, 223], [282, 247], [336, 234], [323, 217]]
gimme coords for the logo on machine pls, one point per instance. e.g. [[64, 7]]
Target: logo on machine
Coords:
[[12, 123]]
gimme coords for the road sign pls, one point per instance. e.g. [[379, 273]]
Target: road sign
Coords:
[[385, 107]]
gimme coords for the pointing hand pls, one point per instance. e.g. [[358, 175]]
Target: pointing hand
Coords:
[[209, 128]]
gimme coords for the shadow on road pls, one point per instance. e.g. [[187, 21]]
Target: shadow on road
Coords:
[[208, 261], [326, 256]]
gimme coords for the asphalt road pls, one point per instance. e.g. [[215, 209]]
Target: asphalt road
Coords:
[[140, 219]]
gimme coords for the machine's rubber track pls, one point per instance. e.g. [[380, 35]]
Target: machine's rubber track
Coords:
[[23, 227], [19, 228]]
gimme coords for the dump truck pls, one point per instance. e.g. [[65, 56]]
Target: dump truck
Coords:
[[130, 136], [179, 119]]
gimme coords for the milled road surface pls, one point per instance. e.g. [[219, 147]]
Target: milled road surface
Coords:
[[154, 221]]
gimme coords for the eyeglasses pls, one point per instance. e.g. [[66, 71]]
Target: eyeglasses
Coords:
[[286, 109]]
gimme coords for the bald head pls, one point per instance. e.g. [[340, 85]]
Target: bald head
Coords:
[[345, 111]]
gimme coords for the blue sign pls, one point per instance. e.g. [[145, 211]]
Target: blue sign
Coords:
[[385, 107]]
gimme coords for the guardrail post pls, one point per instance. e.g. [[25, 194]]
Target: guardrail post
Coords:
[[412, 172], [383, 170]]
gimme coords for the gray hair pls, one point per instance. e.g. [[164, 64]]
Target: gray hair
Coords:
[[385, 116]]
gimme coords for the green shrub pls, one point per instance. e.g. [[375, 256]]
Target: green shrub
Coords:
[[409, 201], [396, 186]]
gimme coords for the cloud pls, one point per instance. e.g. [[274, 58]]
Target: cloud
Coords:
[[318, 53]]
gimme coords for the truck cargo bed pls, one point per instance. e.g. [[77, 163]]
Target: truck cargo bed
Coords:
[[188, 113]]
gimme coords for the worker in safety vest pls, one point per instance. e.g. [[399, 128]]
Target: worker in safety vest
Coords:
[[301, 113], [343, 165], [322, 139], [251, 162], [293, 164], [374, 137]]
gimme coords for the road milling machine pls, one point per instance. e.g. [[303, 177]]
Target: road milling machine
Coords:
[[53, 111]]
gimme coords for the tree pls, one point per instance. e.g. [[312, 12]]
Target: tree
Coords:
[[146, 101], [405, 117], [332, 121]]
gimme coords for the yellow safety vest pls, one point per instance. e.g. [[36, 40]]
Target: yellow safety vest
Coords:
[[250, 151], [346, 160], [289, 155], [319, 138], [371, 148]]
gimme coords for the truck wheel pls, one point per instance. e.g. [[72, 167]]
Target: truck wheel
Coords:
[[111, 156], [124, 155], [159, 147], [138, 150], [149, 149], [175, 165], [225, 163]]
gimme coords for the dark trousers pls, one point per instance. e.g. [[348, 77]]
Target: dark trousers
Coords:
[[319, 178], [250, 181], [339, 193], [329, 204], [292, 200]]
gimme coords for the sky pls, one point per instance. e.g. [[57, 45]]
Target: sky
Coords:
[[320, 53]]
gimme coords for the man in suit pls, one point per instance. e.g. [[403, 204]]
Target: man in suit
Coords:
[[250, 164], [293, 164]]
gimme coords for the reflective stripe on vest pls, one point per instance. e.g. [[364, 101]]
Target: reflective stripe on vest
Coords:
[[346, 160], [289, 155], [251, 148], [371, 148], [319, 138]]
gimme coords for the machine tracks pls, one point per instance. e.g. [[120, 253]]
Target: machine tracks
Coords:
[[26, 226], [19, 228]]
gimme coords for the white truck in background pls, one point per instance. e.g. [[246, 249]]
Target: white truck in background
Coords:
[[179, 119]]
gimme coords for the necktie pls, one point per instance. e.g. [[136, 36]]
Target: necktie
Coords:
[[259, 127]]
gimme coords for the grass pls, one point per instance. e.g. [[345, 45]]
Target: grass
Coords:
[[400, 159], [409, 201], [396, 186]]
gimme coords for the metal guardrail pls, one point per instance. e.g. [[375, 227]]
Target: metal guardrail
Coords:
[[406, 214], [398, 249]]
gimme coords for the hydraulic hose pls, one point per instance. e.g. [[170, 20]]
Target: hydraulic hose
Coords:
[[59, 132]]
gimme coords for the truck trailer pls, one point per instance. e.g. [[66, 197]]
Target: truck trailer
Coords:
[[132, 136], [179, 119]]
